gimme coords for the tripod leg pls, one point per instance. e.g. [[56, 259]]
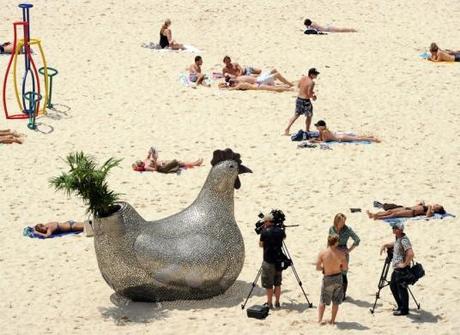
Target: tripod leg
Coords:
[[413, 297], [296, 275], [254, 283], [382, 283]]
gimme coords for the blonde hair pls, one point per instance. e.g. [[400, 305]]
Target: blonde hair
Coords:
[[339, 217], [165, 25]]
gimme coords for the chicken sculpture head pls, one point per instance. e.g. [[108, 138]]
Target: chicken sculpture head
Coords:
[[196, 253]]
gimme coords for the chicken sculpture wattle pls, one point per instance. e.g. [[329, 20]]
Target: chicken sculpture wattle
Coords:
[[195, 254]]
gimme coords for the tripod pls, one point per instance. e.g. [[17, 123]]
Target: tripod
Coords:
[[383, 282], [296, 275]]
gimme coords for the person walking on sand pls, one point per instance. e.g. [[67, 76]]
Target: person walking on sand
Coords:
[[195, 74], [303, 105], [332, 263]]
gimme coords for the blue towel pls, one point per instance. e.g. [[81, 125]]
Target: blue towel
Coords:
[[436, 216], [29, 232], [424, 55]]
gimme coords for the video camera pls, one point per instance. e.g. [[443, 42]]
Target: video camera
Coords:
[[278, 220]]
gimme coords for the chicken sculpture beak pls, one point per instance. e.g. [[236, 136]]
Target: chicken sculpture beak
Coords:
[[241, 169]]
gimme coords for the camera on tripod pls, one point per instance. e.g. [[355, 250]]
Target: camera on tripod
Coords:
[[278, 220]]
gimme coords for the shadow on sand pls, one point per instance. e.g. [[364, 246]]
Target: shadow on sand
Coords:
[[421, 316], [350, 325], [126, 311]]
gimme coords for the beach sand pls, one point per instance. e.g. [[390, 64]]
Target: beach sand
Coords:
[[116, 98]]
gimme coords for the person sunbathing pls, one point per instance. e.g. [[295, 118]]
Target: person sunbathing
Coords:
[[51, 228], [235, 84], [439, 55], [7, 48], [166, 40], [8, 137], [235, 70], [311, 27], [325, 135], [152, 163], [401, 212]]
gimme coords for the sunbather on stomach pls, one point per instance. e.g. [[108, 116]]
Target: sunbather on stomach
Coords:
[[325, 135], [404, 212]]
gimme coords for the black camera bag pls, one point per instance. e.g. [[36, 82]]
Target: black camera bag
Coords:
[[417, 272], [257, 312]]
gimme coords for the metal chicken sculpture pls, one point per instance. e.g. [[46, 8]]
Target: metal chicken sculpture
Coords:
[[195, 254]]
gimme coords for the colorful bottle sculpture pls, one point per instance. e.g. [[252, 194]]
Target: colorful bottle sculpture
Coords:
[[30, 77]]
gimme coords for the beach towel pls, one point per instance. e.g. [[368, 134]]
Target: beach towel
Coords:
[[184, 79], [29, 232], [157, 47], [435, 216]]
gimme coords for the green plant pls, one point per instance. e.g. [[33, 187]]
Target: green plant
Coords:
[[87, 181]]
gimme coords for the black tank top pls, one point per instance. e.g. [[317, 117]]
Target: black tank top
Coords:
[[163, 41]]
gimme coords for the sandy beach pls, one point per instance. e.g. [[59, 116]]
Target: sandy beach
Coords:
[[114, 98]]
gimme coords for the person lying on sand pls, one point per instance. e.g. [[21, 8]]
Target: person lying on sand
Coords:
[[267, 78], [7, 137], [325, 135], [438, 55], [236, 84], [7, 48], [235, 70], [400, 211], [152, 163], [195, 74], [310, 25], [47, 229], [166, 40]]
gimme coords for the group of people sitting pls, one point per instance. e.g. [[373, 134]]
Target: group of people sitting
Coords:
[[8, 136], [152, 163]]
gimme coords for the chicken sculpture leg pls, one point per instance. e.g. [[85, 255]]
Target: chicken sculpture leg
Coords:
[[197, 253]]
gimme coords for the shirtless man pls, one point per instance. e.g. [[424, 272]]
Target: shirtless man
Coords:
[[313, 26], [246, 86], [331, 262], [303, 105], [235, 70], [438, 55], [195, 74]]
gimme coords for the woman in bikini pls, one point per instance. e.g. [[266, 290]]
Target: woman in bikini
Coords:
[[246, 83], [47, 229], [325, 135], [166, 40], [152, 163], [408, 212]]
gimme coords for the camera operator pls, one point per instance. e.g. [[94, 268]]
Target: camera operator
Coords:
[[402, 256], [271, 239]]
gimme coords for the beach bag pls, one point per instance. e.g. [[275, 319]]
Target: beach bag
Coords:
[[170, 167], [299, 136], [257, 312], [417, 272]]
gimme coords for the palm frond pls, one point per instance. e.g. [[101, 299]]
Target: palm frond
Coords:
[[87, 181]]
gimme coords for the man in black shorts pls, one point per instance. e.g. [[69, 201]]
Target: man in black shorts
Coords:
[[303, 105], [271, 239]]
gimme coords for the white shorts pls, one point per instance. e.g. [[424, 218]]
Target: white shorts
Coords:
[[266, 78]]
